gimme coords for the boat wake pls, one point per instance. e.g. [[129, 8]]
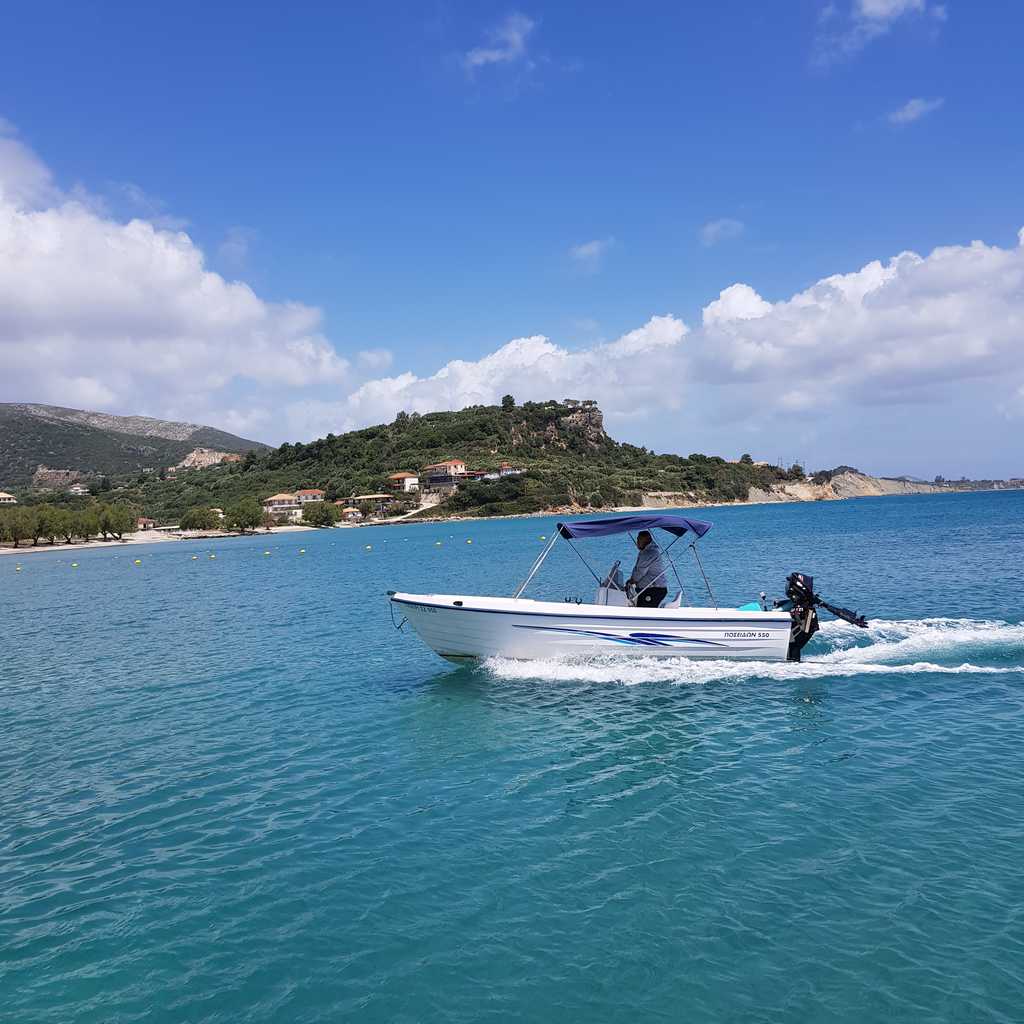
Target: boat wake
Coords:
[[894, 647]]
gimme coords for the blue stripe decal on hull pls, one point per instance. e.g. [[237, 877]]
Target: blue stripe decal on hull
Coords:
[[633, 639]]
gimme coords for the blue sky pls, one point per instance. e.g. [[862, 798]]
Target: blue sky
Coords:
[[439, 179]]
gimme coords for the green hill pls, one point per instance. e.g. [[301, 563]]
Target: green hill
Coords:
[[97, 443], [568, 458]]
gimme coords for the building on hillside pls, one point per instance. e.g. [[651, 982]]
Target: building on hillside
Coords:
[[308, 494], [218, 512], [284, 507], [7, 499], [280, 502], [443, 485], [380, 504], [350, 514], [450, 467], [142, 523], [444, 477], [404, 482], [78, 490], [507, 469]]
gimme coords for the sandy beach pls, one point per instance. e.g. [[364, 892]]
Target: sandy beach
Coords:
[[147, 537]]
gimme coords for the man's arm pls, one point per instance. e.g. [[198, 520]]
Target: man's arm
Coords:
[[640, 569], [635, 574]]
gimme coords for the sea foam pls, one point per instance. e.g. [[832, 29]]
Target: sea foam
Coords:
[[886, 647]]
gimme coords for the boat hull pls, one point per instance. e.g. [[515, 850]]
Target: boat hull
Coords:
[[461, 627]]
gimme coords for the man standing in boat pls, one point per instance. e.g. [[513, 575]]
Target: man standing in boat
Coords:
[[649, 575]]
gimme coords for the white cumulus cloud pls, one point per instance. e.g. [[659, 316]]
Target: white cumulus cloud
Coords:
[[125, 315], [623, 375], [890, 332], [737, 302], [906, 332]]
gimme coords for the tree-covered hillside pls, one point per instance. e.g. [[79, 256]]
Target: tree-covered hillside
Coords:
[[96, 443], [568, 458]]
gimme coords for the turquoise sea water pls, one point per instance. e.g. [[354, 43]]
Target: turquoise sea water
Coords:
[[230, 791]]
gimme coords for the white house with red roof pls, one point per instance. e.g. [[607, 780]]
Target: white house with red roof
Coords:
[[308, 494], [284, 506], [404, 482]]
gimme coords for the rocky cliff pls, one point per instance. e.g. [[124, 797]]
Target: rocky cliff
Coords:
[[849, 484], [843, 485]]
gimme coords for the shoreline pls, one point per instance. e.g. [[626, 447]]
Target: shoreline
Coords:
[[616, 509], [150, 537], [158, 536]]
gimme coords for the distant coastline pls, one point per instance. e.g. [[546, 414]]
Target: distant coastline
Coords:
[[140, 537], [839, 489]]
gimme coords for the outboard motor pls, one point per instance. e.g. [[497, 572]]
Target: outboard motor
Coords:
[[802, 603]]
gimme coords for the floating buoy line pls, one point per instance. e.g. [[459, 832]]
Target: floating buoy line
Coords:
[[268, 552]]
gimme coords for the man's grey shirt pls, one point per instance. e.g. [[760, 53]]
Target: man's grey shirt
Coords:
[[650, 569]]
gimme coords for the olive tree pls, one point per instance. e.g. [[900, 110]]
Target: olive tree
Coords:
[[18, 525], [199, 519], [245, 515], [320, 513], [47, 522], [87, 522], [116, 520]]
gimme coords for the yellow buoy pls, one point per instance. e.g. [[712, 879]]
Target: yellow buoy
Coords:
[[138, 561], [74, 565], [17, 568], [213, 556], [302, 551], [542, 537], [437, 543], [369, 547], [266, 552], [469, 542], [194, 557]]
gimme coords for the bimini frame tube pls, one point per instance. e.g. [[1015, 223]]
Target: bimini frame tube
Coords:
[[700, 565], [536, 565]]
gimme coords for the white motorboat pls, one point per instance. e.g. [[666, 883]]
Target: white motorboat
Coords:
[[462, 626]]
